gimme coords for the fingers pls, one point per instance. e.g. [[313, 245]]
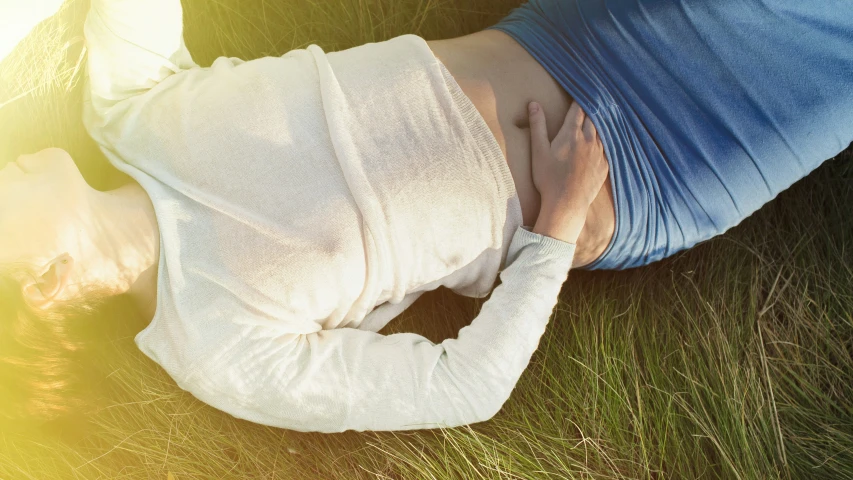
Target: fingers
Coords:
[[576, 120], [539, 143], [572, 123], [574, 117]]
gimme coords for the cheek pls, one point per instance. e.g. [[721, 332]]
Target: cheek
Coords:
[[30, 222], [22, 238], [61, 188], [41, 204]]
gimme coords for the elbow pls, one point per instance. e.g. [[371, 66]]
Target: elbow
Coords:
[[484, 392], [489, 407]]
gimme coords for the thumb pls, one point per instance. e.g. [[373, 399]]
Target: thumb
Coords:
[[539, 143]]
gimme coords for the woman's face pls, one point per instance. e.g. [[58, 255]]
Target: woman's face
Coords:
[[43, 201]]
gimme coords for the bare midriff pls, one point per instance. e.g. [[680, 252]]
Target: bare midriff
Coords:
[[501, 78]]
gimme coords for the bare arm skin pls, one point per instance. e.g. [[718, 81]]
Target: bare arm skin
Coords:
[[568, 172]]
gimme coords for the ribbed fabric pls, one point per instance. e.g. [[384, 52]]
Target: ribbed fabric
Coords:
[[706, 109], [303, 201]]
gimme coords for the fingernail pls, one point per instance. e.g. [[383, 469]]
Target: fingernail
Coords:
[[533, 107]]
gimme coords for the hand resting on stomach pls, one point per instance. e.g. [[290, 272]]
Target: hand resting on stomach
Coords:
[[501, 79]]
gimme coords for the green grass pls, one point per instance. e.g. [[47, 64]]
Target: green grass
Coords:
[[731, 360]]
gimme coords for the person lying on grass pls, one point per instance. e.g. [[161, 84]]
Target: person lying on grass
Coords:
[[283, 210]]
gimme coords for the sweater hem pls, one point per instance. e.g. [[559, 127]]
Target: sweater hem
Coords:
[[488, 145]]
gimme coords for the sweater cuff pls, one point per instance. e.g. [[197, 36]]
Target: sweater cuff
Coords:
[[548, 245]]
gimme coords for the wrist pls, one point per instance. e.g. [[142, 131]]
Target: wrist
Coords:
[[563, 224], [568, 198]]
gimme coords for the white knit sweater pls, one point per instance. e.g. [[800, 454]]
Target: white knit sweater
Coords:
[[304, 201]]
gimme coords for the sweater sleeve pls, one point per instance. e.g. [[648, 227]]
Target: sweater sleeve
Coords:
[[132, 46], [341, 379]]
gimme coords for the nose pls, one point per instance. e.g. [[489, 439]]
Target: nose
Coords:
[[18, 163], [21, 163]]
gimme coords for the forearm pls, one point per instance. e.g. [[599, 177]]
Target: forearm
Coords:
[[340, 379], [561, 220], [568, 172]]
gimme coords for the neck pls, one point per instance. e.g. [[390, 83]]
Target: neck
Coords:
[[124, 246]]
